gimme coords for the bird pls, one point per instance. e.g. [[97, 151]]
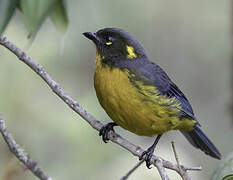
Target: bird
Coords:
[[138, 95]]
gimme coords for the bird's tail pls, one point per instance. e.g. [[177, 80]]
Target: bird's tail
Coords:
[[199, 140]]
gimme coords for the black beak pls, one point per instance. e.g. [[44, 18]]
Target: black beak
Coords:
[[92, 36]]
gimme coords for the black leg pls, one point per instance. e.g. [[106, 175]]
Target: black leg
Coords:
[[149, 152], [105, 129]]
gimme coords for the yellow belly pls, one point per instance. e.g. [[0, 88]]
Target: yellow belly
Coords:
[[132, 110]]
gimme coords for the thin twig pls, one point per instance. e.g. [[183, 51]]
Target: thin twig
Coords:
[[193, 168], [20, 153], [135, 150], [177, 159], [126, 176]]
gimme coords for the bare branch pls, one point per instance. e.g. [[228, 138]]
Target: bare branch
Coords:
[[161, 169], [20, 153], [126, 176], [192, 168], [177, 159], [116, 138]]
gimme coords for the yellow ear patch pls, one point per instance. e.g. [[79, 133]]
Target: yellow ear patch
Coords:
[[130, 50], [108, 43]]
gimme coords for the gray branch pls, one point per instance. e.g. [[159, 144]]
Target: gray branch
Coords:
[[20, 153], [158, 162], [161, 169], [126, 176]]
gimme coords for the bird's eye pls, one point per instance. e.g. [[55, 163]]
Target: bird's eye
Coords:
[[109, 41]]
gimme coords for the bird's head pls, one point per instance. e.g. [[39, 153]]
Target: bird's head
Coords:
[[116, 44]]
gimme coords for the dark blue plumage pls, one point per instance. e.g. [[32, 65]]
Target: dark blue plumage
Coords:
[[199, 140]]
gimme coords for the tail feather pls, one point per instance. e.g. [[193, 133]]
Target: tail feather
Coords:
[[199, 140]]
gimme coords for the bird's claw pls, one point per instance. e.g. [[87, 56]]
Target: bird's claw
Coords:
[[147, 155], [105, 130]]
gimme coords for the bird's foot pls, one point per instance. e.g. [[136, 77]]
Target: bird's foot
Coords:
[[105, 129], [147, 155]]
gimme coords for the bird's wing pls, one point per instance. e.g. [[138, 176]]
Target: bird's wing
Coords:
[[155, 75]]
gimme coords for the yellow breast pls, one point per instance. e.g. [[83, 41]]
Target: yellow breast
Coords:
[[142, 114]]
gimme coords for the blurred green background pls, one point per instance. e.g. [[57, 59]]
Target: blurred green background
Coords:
[[191, 40]]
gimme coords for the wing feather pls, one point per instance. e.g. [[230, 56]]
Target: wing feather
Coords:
[[155, 75]]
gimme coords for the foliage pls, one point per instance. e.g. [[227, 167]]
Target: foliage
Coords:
[[225, 169], [34, 13]]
